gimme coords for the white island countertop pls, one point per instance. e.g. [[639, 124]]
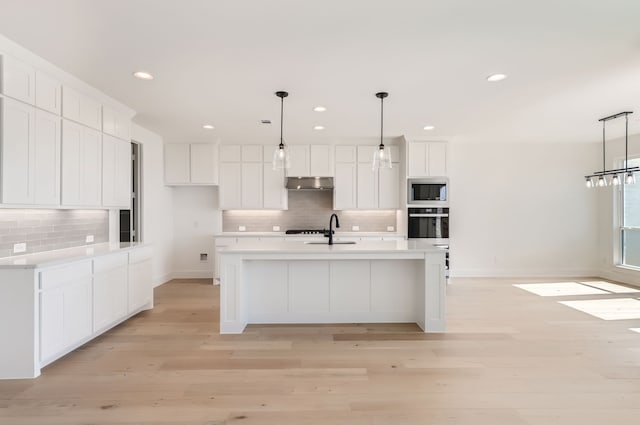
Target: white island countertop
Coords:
[[299, 247], [61, 256]]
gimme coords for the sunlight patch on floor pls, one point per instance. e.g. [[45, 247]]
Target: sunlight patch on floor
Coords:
[[609, 309], [559, 289], [611, 287], [635, 330]]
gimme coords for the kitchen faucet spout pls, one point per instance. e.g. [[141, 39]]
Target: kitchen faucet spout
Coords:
[[331, 227]]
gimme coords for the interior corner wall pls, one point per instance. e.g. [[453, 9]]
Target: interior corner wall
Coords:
[[157, 206], [609, 243], [194, 224], [522, 210]]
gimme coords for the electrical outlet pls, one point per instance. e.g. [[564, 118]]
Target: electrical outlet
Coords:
[[355, 228], [89, 239], [19, 247], [204, 256], [242, 228], [390, 228], [276, 228]]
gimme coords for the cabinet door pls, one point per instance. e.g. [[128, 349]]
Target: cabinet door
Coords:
[[70, 104], [203, 164], [321, 164], [123, 169], [48, 93], [176, 163], [417, 159], [109, 121], [91, 168], [367, 186], [78, 314], [230, 185], [251, 185], [437, 159], [275, 193], [51, 323], [71, 160], [344, 192], [110, 290], [299, 161], [345, 153], [47, 159], [230, 153], [18, 80], [251, 153], [18, 138], [389, 187], [365, 154], [140, 285], [90, 112]]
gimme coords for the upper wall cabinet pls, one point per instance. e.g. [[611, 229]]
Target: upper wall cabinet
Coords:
[[48, 93], [18, 80], [81, 108], [82, 165], [116, 124], [426, 159], [190, 164], [116, 172], [310, 161]]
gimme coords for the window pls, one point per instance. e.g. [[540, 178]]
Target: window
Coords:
[[630, 229]]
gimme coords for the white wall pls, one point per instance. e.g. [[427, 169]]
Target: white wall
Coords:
[[522, 209], [194, 223], [157, 204], [608, 242]]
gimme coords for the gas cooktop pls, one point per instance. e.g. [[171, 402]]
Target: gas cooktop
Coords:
[[306, 232]]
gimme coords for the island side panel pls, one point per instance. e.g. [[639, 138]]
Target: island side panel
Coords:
[[19, 305], [435, 293], [233, 303]]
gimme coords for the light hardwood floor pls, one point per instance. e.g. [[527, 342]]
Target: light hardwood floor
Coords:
[[509, 358]]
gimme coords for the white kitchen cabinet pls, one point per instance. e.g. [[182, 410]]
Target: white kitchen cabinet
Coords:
[[115, 123], [367, 184], [81, 165], [389, 187], [344, 192], [110, 289], [140, 279], [48, 93], [81, 108], [230, 185], [18, 80], [203, 164], [426, 159], [274, 191], [299, 161], [251, 153], [310, 161], [30, 155], [65, 308], [47, 159], [190, 164], [116, 173], [18, 139], [345, 153], [252, 185], [230, 153]]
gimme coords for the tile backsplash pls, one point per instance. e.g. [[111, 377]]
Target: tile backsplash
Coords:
[[46, 230], [308, 210]]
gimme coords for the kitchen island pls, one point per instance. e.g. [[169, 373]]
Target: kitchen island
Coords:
[[367, 282]]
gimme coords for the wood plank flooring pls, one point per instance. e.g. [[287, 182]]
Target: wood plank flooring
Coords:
[[509, 358]]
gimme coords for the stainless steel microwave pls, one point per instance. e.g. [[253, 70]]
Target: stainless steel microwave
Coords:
[[433, 192]]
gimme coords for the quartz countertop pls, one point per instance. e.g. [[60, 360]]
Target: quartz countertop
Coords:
[[299, 247], [281, 234], [60, 256]]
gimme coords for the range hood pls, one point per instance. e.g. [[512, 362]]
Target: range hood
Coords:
[[310, 183]]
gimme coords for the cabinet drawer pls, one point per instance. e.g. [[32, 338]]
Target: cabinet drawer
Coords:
[[110, 262], [50, 278], [141, 254]]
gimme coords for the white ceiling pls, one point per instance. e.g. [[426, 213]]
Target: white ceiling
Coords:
[[569, 63]]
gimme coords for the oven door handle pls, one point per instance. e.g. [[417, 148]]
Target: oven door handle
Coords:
[[427, 215]]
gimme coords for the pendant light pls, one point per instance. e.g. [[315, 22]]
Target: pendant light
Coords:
[[382, 156], [618, 175], [281, 157]]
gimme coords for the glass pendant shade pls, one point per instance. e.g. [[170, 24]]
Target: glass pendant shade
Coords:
[[281, 158], [602, 182], [630, 178], [615, 180], [589, 182], [382, 157]]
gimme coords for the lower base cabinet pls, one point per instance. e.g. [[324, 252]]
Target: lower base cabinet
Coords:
[[140, 287], [110, 287]]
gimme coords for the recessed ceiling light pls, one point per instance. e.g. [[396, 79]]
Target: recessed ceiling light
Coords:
[[318, 127], [143, 75], [319, 109], [496, 77], [428, 127], [208, 127]]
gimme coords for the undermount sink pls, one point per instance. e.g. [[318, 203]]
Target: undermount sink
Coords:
[[327, 242]]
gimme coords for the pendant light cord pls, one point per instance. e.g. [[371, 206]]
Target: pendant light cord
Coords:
[[381, 121], [281, 120], [604, 163], [626, 142]]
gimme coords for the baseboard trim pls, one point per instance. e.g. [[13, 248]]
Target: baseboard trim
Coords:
[[525, 273], [192, 274]]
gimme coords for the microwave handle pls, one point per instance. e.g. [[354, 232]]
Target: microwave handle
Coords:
[[428, 215]]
